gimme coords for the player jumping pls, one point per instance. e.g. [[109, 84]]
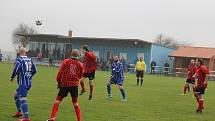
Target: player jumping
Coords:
[[202, 83], [90, 65], [25, 69], [68, 79], [192, 69], [117, 77]]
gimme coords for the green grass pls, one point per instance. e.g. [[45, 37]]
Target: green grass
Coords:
[[158, 100]]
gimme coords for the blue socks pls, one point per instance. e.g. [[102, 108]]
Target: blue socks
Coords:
[[108, 89], [18, 103], [25, 108], [123, 93]]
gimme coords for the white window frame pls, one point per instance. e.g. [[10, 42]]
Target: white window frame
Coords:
[[123, 54], [140, 55], [96, 53]]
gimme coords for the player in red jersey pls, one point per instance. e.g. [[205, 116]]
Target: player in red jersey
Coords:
[[191, 73], [90, 65], [68, 78], [202, 83]]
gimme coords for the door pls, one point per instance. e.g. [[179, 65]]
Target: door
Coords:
[[68, 50]]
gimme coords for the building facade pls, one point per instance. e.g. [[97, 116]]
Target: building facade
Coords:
[[183, 55], [58, 47]]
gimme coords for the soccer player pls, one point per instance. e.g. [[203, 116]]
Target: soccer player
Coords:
[[90, 65], [25, 69], [117, 77], [191, 73], [202, 83], [68, 79], [140, 68]]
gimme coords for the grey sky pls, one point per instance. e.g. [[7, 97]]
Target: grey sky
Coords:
[[192, 21]]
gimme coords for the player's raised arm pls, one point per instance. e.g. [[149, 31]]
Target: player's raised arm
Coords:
[[16, 69]]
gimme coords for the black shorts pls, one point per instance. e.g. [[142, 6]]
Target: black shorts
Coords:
[[63, 92], [200, 90], [90, 76], [190, 81], [139, 73]]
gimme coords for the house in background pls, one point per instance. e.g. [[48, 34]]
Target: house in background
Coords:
[[183, 55], [59, 47]]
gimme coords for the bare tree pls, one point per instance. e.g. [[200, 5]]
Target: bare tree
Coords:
[[167, 41], [21, 41]]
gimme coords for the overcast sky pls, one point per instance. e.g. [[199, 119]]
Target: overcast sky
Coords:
[[192, 21]]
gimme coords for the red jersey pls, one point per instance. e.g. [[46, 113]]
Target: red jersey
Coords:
[[202, 72], [90, 63], [192, 69], [71, 71]]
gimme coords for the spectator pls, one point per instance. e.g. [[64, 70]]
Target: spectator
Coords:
[[166, 69], [39, 56], [153, 64], [123, 61], [1, 57]]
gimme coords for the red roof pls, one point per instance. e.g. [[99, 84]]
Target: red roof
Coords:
[[193, 52]]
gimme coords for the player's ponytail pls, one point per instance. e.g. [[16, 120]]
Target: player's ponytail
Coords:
[[86, 48], [201, 61]]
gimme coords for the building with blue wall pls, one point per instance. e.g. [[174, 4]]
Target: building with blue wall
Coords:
[[59, 47]]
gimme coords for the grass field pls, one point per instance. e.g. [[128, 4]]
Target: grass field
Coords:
[[158, 100]]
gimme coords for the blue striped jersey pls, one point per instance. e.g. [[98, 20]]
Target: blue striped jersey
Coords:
[[24, 69], [117, 71]]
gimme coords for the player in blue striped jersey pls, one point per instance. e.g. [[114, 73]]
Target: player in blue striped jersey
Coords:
[[117, 77], [24, 69]]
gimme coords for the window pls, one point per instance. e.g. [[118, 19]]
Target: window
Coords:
[[185, 62], [96, 53], [51, 47], [108, 55], [123, 55], [34, 46], [60, 47], [42, 46], [140, 55]]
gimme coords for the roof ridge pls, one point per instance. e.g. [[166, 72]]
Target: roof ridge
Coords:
[[198, 47]]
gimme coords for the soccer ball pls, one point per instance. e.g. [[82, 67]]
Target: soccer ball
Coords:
[[38, 22]]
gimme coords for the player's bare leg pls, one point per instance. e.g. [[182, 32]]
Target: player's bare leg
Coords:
[[91, 89], [194, 89], [83, 90], [186, 85]]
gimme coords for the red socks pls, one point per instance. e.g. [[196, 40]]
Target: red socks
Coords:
[[54, 110], [78, 113], [200, 105], [91, 89], [77, 108], [82, 85], [185, 89]]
